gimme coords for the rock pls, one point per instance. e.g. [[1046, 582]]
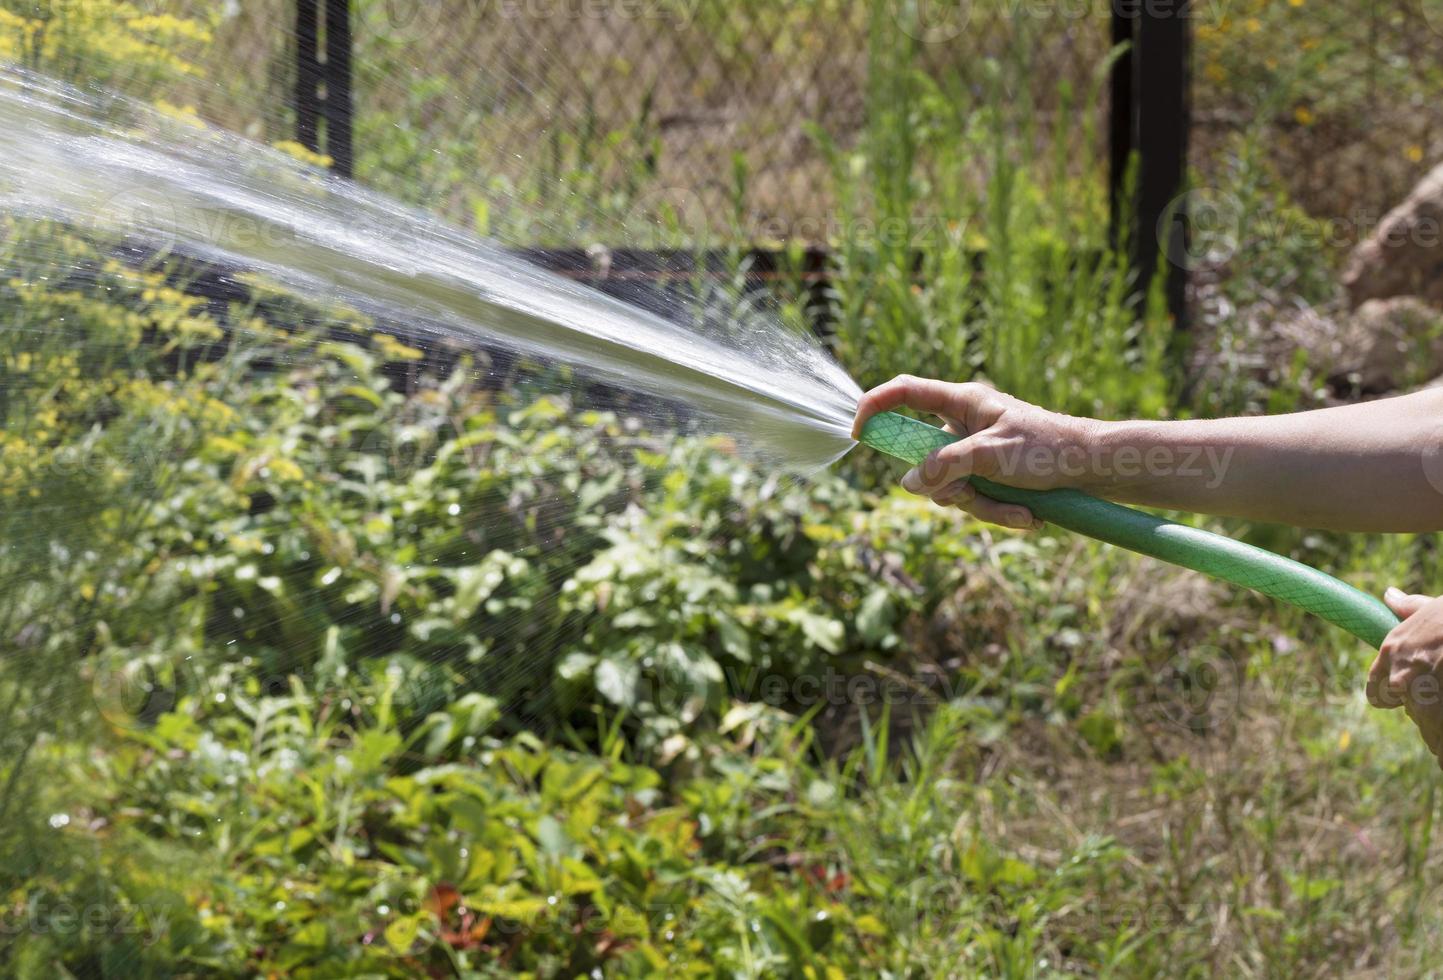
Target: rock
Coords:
[[1385, 345], [1404, 255], [1390, 344]]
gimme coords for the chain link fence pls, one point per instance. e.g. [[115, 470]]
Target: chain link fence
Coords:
[[582, 110], [709, 108], [701, 108]]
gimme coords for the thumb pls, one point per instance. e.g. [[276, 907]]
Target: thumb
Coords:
[[1404, 604]]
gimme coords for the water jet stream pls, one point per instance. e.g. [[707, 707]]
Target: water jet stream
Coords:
[[121, 168]]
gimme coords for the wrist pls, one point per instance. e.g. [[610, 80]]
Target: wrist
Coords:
[[1118, 456]]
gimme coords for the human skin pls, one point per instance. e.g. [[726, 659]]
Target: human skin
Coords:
[[1371, 467]]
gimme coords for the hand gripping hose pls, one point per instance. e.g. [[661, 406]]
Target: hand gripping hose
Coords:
[[1202, 551]]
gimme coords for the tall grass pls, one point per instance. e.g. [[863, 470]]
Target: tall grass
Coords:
[[973, 243]]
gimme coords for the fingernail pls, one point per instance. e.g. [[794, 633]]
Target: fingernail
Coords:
[[1019, 520], [1038, 524], [1393, 593], [912, 481]]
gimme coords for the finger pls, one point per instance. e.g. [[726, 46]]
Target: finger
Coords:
[[954, 493], [1428, 711], [1400, 678], [1376, 688], [996, 512], [947, 465], [1429, 725], [1403, 604], [919, 394]]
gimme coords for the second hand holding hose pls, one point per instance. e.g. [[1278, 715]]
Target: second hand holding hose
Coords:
[[1214, 555]]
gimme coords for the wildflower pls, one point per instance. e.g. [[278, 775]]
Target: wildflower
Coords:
[[1304, 115], [184, 114], [393, 350], [294, 149], [1414, 153], [283, 470]]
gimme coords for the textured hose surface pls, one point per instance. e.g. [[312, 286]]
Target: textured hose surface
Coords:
[[1202, 551]]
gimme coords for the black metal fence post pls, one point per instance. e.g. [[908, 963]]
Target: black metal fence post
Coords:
[[338, 87], [1161, 120], [308, 75], [323, 87], [1120, 121]]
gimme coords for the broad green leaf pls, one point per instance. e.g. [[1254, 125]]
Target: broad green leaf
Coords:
[[618, 680], [875, 616], [401, 935]]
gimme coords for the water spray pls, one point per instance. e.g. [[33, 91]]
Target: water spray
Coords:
[[226, 200], [1211, 554]]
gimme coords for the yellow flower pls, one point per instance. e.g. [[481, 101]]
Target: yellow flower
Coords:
[[283, 470], [393, 350], [1295, 3], [184, 114], [1214, 72], [1254, 25], [1414, 153], [304, 155], [1304, 115]]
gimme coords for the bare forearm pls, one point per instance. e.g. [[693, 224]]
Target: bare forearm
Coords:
[[1377, 466]]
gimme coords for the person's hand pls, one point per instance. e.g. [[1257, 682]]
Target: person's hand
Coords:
[[1005, 440], [1407, 670]]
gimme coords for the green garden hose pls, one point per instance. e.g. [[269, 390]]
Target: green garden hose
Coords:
[[1202, 551]]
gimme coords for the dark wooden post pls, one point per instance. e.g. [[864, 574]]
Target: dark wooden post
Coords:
[[1162, 119], [323, 85]]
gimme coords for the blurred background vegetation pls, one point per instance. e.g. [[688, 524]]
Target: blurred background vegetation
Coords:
[[324, 655]]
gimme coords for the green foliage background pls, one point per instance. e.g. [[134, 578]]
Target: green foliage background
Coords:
[[326, 658]]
